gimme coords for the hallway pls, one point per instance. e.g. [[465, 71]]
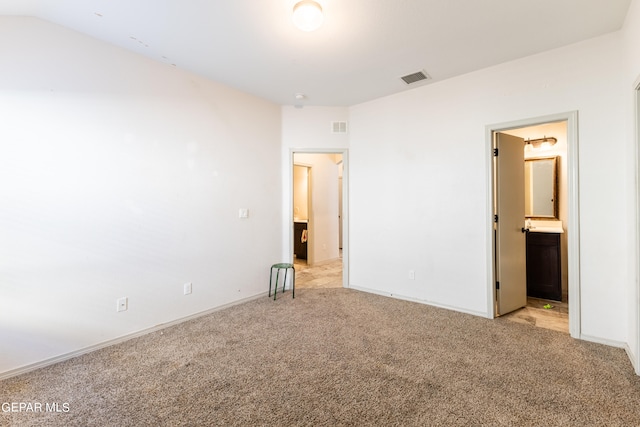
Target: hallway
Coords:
[[323, 276]]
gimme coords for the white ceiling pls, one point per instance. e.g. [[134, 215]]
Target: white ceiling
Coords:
[[360, 52]]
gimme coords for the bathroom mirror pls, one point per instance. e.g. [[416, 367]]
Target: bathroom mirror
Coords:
[[540, 190]]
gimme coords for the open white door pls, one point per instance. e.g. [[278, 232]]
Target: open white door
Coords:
[[510, 257]]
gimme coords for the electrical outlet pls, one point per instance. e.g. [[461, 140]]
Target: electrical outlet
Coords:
[[187, 288], [122, 304], [412, 275]]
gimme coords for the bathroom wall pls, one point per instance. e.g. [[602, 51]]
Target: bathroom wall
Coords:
[[300, 193]]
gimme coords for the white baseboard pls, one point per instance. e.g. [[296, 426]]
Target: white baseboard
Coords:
[[57, 359], [618, 344], [420, 301], [633, 358], [598, 340], [610, 343], [623, 345]]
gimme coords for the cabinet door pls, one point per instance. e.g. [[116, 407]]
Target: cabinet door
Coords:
[[299, 248], [543, 266]]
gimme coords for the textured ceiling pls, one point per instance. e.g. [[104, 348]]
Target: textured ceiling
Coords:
[[360, 52]]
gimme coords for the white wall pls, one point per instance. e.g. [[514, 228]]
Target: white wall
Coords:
[[632, 46], [310, 128], [121, 176], [418, 180], [307, 130]]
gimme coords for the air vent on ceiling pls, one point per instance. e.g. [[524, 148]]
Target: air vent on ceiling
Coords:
[[338, 127], [415, 77]]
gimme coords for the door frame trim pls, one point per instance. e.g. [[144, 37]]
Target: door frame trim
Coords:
[[288, 199], [635, 360], [573, 226]]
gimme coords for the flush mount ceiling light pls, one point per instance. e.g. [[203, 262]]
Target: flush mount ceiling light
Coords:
[[307, 15]]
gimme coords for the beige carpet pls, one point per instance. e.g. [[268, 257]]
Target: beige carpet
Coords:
[[337, 357]]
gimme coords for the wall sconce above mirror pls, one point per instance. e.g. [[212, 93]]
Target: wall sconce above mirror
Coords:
[[540, 188], [541, 142]]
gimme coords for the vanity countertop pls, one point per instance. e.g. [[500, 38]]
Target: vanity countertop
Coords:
[[546, 230], [543, 226]]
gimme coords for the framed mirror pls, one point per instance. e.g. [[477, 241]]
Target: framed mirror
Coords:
[[540, 188]]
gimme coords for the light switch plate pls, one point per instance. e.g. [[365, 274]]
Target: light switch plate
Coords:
[[122, 304]]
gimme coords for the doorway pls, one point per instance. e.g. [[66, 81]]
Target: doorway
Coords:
[[320, 234], [508, 293]]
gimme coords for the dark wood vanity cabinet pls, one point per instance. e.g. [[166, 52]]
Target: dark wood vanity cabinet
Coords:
[[299, 247], [544, 271]]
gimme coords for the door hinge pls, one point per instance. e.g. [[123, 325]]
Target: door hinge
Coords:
[[497, 285], [495, 218], [495, 152]]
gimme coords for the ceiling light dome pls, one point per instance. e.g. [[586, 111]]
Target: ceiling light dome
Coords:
[[307, 15]]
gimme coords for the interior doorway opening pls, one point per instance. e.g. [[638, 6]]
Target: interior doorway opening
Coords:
[[549, 237], [319, 231]]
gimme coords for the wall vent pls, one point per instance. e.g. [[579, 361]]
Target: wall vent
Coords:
[[415, 77], [338, 127]]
